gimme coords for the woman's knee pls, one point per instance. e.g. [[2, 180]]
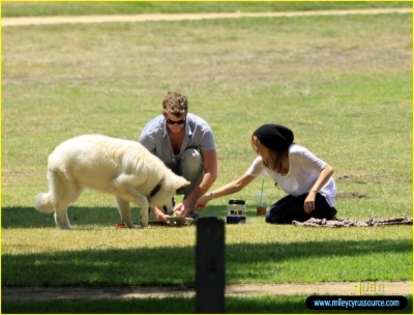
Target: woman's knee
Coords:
[[276, 219], [273, 216]]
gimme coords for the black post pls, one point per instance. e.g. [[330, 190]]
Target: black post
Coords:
[[210, 266]]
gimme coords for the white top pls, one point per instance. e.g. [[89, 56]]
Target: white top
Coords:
[[304, 170]]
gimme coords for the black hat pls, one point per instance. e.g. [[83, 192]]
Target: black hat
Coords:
[[274, 137]]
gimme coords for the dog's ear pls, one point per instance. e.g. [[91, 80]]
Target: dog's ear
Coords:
[[181, 182]]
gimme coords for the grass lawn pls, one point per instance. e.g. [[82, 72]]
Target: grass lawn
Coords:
[[15, 8], [343, 84], [234, 305]]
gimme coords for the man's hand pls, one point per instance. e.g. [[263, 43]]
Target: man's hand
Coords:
[[184, 208], [159, 215]]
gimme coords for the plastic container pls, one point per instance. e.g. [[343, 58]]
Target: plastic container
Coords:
[[236, 207], [236, 210], [261, 203], [236, 219]]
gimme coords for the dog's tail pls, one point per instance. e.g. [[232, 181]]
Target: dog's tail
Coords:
[[44, 202]]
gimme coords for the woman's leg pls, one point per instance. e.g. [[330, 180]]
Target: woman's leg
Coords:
[[275, 212], [290, 208]]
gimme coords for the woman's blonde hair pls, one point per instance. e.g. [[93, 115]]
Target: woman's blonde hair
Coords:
[[271, 159]]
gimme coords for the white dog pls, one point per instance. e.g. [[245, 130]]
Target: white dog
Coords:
[[120, 167]]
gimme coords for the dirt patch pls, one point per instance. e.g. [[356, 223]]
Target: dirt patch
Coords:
[[81, 293], [350, 195], [16, 21]]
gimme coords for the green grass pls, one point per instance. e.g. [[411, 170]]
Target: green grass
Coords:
[[234, 305], [343, 84], [13, 9], [255, 253]]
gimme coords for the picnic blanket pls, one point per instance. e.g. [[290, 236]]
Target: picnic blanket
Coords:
[[313, 222]]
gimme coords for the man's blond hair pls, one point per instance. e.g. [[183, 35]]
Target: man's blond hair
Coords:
[[175, 104]]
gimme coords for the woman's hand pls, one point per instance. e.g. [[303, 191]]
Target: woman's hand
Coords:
[[202, 202], [309, 205], [323, 178]]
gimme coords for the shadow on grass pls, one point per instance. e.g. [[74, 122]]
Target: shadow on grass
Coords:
[[105, 265], [166, 266], [170, 305], [111, 266], [29, 217]]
